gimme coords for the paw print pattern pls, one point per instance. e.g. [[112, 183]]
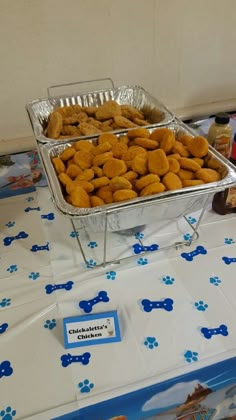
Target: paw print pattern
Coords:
[[168, 280], [92, 245], [74, 234], [201, 306], [85, 386], [142, 261], [7, 414], [187, 237], [229, 241], [5, 369], [10, 224], [50, 324], [215, 280], [91, 264], [33, 275], [111, 275], [5, 302], [192, 220], [139, 235], [151, 342], [12, 268], [30, 199], [191, 356]]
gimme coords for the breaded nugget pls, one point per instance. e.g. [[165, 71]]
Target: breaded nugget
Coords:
[[80, 198], [132, 152], [139, 164], [68, 199], [107, 125], [124, 139], [108, 110], [106, 194], [118, 149], [54, 125], [146, 143], [174, 156], [174, 165], [172, 181], [198, 147], [167, 142], [88, 129], [101, 148], [123, 122], [179, 148], [158, 133], [96, 201], [107, 138], [64, 178], [138, 132], [94, 122], [67, 153], [73, 170], [73, 120], [212, 162], [184, 174], [99, 160], [86, 185], [151, 189], [120, 183], [83, 159], [114, 167], [208, 175], [192, 182], [131, 175], [100, 182], [130, 112], [140, 121], [185, 139], [71, 130], [97, 171], [200, 162], [90, 110], [146, 180], [158, 162], [86, 175], [123, 195], [84, 145], [189, 164], [58, 165]]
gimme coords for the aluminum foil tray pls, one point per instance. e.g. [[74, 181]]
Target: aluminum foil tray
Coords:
[[164, 206], [40, 109]]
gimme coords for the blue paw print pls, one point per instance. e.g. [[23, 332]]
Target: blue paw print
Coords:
[[187, 237], [33, 275], [7, 414], [201, 306], [191, 356], [168, 280], [50, 324], [192, 220], [92, 245], [30, 199], [10, 224], [91, 264], [229, 241], [139, 235], [142, 261], [85, 386], [215, 280], [5, 302], [5, 369], [111, 275], [12, 268], [150, 342], [74, 234]]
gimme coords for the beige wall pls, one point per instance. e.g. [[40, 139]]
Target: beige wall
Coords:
[[183, 51]]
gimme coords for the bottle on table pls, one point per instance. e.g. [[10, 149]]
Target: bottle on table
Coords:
[[220, 134], [225, 201]]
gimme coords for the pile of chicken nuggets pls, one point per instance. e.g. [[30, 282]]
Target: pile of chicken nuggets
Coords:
[[75, 120], [138, 164]]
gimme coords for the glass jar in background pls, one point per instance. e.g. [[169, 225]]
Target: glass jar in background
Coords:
[[220, 134]]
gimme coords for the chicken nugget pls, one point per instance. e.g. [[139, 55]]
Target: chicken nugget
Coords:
[[174, 165], [131, 112], [107, 138], [179, 148], [172, 181], [108, 110], [97, 171], [138, 132], [200, 162], [70, 130], [82, 117], [84, 145], [106, 194], [146, 143], [123, 122], [120, 183], [114, 167], [54, 125], [64, 178], [107, 125], [101, 148], [139, 164], [198, 146], [158, 162], [118, 149], [131, 175], [123, 195], [88, 129], [99, 160], [96, 201], [146, 180], [73, 170], [58, 165], [184, 174], [94, 122], [212, 163], [158, 133], [67, 153], [80, 198], [208, 175], [151, 189], [184, 139], [124, 139], [132, 152], [192, 182], [86, 175], [90, 110], [167, 142], [174, 156], [86, 185], [68, 199], [189, 164], [83, 159], [100, 182], [73, 120], [141, 122]]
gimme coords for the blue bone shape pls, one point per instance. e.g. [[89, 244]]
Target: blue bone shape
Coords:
[[9, 239], [3, 327], [49, 216], [67, 359], [87, 305], [139, 248], [189, 256], [31, 208], [50, 288], [209, 332], [36, 248], [149, 305], [229, 260]]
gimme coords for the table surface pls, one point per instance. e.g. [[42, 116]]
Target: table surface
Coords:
[[155, 346]]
